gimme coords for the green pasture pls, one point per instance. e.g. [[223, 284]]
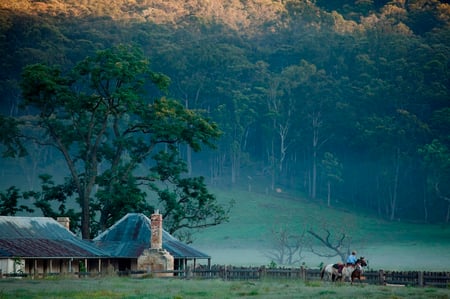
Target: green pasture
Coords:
[[120, 287], [255, 215], [394, 245]]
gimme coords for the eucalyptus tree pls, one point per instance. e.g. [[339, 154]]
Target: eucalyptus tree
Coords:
[[332, 170], [436, 158], [388, 119], [9, 202], [315, 94], [237, 114], [437, 162], [274, 104], [211, 72], [393, 140], [108, 119]]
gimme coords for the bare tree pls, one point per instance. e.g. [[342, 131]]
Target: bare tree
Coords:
[[287, 247], [333, 244]]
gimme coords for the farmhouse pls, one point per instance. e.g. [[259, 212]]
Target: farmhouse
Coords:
[[43, 246], [129, 239]]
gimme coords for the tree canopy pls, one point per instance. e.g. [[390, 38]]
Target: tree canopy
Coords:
[[108, 122], [340, 101]]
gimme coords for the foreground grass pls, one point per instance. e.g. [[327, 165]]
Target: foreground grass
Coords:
[[115, 287]]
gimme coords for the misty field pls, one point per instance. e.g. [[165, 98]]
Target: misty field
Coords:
[[390, 245], [115, 287]]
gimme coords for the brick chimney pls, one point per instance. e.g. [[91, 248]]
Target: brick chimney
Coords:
[[156, 258], [156, 227], [64, 221]]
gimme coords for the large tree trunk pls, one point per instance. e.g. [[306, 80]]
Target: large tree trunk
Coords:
[[393, 203], [329, 193], [425, 206], [85, 219], [189, 160], [315, 144]]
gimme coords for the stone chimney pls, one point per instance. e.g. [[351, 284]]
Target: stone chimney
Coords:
[[64, 221], [156, 227], [156, 259]]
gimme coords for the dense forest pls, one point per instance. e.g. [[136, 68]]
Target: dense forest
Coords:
[[346, 102]]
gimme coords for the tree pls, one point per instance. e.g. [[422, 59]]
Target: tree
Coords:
[[52, 193], [9, 202], [316, 96], [332, 243], [437, 162], [287, 247], [394, 139], [101, 119], [186, 203], [9, 133], [332, 170]]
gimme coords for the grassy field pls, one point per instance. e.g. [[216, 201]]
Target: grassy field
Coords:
[[183, 289], [246, 239]]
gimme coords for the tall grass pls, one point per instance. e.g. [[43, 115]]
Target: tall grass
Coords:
[[115, 287]]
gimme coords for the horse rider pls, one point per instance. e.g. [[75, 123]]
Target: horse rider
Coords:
[[351, 259]]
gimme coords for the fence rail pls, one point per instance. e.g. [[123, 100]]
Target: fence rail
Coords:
[[380, 277]]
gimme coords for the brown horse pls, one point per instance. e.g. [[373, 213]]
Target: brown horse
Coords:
[[336, 272], [357, 273], [352, 272]]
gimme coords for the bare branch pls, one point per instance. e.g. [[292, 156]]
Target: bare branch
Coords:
[[334, 246]]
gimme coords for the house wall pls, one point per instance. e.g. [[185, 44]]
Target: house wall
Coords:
[[10, 266], [47, 266], [64, 266], [122, 264]]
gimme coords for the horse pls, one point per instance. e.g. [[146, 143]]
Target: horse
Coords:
[[331, 271], [352, 272], [357, 273], [336, 272]]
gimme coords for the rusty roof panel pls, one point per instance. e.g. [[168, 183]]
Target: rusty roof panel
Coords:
[[42, 237], [40, 248]]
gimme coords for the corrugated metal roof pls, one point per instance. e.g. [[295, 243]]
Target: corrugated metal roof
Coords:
[[131, 235], [42, 237]]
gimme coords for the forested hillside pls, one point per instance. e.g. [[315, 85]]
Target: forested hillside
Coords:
[[347, 102]]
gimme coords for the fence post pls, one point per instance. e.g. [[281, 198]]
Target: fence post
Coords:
[[263, 272], [420, 278], [302, 273], [381, 277]]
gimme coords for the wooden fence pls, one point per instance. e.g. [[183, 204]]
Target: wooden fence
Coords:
[[380, 277]]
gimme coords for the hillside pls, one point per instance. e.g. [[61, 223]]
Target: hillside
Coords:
[[250, 16], [236, 14], [256, 220], [343, 102]]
